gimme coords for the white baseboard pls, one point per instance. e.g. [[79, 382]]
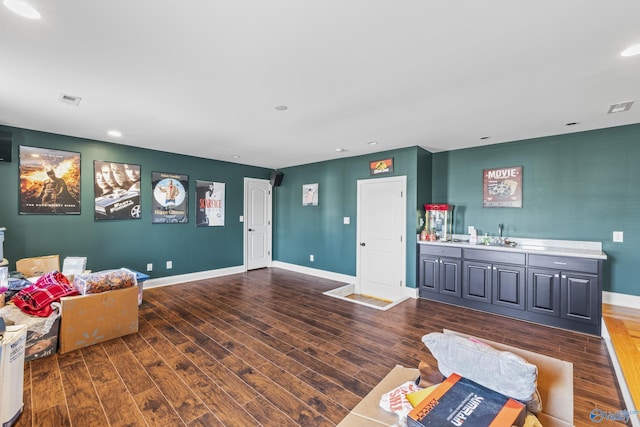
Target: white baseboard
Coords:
[[190, 277], [338, 277], [623, 300], [344, 278]]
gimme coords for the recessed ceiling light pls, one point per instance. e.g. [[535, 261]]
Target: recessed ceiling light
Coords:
[[621, 107], [571, 123], [372, 143], [281, 107], [115, 133], [22, 8], [235, 156], [340, 150], [631, 50]]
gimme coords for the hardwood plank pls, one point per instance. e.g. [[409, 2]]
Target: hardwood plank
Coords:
[[82, 402]]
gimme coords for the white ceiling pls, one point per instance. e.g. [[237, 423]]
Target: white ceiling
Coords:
[[202, 77]]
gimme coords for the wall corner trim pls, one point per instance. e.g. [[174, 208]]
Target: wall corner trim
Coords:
[[623, 300]]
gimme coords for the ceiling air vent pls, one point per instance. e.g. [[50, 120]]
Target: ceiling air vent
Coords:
[[69, 99], [619, 108]]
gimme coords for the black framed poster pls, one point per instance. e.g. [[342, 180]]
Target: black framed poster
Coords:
[[49, 181], [170, 198]]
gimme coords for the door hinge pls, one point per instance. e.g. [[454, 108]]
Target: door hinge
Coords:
[[400, 238]]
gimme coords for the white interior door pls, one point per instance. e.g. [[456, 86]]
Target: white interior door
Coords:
[[257, 223], [381, 255]]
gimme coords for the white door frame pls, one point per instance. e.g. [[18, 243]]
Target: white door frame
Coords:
[[245, 222], [403, 218]]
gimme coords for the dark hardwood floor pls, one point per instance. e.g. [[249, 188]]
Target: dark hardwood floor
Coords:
[[267, 348]]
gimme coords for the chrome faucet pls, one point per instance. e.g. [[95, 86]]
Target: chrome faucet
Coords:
[[500, 227]]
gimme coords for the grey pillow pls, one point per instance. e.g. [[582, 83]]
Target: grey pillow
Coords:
[[502, 371]]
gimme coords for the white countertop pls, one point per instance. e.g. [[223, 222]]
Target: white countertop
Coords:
[[573, 248]]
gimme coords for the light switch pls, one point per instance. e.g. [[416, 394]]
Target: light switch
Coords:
[[346, 220], [618, 236]]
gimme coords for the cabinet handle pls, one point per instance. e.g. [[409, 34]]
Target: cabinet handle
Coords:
[[556, 275], [494, 268], [559, 263], [488, 267], [564, 277]]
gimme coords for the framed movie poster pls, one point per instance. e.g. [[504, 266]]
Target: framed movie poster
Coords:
[[502, 187], [310, 195], [170, 198], [49, 181], [378, 167], [209, 204], [117, 190]]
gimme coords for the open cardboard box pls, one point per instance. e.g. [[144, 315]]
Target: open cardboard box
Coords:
[[95, 318], [37, 266], [555, 384]]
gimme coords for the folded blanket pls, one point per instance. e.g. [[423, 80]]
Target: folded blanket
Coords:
[[36, 299]]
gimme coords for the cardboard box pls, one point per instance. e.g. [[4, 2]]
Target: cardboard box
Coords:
[[95, 318], [12, 373], [555, 384], [39, 345], [459, 400], [37, 266]]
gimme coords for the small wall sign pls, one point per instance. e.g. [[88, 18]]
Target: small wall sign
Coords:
[[378, 167], [502, 187]]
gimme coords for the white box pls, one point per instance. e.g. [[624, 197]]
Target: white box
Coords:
[[12, 347]]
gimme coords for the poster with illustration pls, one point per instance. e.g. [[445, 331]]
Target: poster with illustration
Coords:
[[502, 187], [170, 198], [209, 204], [310, 195], [117, 190], [49, 181]]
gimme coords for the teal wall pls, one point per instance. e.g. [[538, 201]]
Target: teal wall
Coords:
[[130, 243], [300, 231], [581, 186]]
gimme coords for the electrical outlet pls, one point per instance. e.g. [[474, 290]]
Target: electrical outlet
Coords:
[[149, 267], [346, 220], [169, 265], [311, 258], [618, 236]]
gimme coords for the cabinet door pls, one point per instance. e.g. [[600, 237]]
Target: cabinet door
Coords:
[[508, 286], [428, 274], [476, 281], [450, 281], [580, 297], [543, 291]]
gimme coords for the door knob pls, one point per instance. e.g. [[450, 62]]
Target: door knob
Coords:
[[251, 229], [362, 244]]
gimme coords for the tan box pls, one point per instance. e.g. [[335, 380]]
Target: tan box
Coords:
[[37, 266], [555, 384], [95, 318]]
